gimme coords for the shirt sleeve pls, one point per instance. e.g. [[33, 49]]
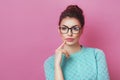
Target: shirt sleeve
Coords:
[[102, 69], [49, 69]]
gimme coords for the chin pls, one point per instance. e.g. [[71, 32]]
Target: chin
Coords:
[[70, 43]]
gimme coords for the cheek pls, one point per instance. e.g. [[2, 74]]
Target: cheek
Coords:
[[77, 36], [63, 36]]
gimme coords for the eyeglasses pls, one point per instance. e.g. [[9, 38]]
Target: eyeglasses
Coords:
[[75, 29]]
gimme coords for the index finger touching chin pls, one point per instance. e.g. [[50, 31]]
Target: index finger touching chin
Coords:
[[62, 45]]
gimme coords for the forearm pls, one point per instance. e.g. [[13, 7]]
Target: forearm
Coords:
[[58, 73]]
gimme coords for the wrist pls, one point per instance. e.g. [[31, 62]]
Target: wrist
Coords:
[[57, 64]]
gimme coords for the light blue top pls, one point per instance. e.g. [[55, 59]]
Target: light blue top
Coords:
[[86, 64]]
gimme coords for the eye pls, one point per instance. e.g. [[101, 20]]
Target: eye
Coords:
[[63, 28], [76, 28]]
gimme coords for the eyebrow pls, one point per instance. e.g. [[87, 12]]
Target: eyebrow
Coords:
[[71, 27]]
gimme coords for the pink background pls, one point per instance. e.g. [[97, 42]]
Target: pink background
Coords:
[[28, 34]]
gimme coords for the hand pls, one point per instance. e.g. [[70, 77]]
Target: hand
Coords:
[[58, 53]]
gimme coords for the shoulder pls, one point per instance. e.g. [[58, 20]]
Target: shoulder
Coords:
[[99, 52], [49, 61], [94, 50], [49, 67]]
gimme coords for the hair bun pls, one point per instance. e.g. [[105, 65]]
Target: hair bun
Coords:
[[74, 8], [73, 11]]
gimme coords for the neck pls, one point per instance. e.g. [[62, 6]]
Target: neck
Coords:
[[72, 48]]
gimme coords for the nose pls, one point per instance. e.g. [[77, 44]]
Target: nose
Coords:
[[70, 32]]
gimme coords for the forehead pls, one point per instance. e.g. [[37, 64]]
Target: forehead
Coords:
[[70, 21]]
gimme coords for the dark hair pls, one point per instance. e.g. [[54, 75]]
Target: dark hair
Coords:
[[73, 11]]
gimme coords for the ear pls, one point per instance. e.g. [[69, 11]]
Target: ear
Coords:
[[81, 31]]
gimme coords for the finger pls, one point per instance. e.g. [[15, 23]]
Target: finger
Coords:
[[66, 53], [62, 45]]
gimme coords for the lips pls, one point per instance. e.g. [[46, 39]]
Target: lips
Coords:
[[69, 39]]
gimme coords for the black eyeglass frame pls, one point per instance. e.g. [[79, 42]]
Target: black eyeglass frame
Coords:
[[70, 29]]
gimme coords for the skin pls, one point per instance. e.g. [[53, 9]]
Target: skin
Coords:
[[66, 47]]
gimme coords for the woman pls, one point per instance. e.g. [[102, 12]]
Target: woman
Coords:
[[73, 61]]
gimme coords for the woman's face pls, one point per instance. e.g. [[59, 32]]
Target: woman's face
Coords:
[[71, 36]]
